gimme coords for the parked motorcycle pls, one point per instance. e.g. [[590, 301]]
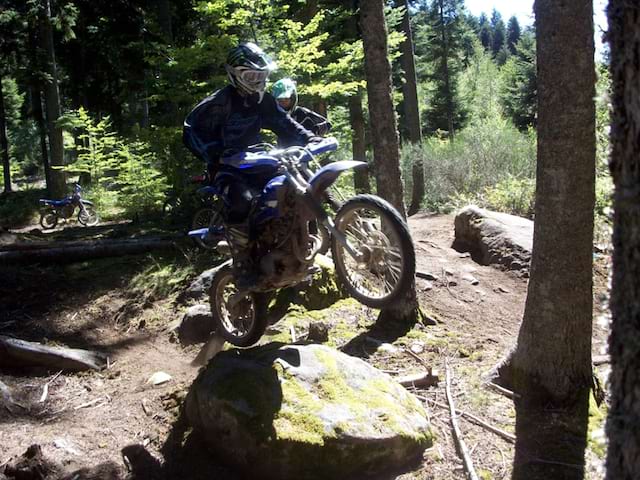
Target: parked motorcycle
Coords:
[[370, 243], [53, 210]]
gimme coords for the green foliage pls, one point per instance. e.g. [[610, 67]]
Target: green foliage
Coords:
[[113, 164], [163, 277], [96, 147], [480, 157], [604, 182], [511, 195], [441, 35], [141, 185], [513, 34], [519, 85], [499, 33], [22, 134], [480, 85]]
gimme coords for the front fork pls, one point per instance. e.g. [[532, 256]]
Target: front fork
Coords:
[[319, 212]]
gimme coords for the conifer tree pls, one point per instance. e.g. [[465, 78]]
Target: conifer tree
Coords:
[[513, 34]]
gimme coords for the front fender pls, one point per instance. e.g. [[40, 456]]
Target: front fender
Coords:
[[328, 174], [87, 202]]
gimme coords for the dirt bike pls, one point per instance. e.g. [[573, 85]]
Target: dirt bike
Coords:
[[53, 210], [371, 246]]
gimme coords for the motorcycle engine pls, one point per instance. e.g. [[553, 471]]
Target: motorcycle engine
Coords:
[[276, 246]]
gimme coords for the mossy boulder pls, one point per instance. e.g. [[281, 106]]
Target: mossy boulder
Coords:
[[306, 412]]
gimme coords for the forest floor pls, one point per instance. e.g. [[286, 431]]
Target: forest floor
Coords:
[[125, 307]]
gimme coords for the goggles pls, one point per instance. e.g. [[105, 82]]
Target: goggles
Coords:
[[253, 76]]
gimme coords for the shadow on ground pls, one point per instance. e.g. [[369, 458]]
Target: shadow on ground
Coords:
[[382, 331]]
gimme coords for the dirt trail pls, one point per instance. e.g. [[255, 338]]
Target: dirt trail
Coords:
[[87, 419]]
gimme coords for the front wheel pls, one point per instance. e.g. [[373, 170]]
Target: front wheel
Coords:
[[385, 263], [88, 217], [48, 220], [240, 320]]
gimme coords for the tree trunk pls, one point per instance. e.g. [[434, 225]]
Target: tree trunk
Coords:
[[164, 20], [411, 107], [386, 148], [36, 100], [551, 365], [4, 144], [445, 69], [35, 85], [57, 188], [624, 413], [384, 132], [320, 106], [358, 145]]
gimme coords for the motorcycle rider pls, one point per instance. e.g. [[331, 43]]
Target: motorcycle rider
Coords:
[[225, 124], [286, 93]]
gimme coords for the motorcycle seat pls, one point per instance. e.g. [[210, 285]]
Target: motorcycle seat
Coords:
[[55, 203]]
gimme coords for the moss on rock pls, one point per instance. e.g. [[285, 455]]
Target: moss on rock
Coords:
[[306, 412]]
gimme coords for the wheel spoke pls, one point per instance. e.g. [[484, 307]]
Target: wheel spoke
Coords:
[[378, 271]]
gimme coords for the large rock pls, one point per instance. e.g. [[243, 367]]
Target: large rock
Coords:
[[196, 325], [494, 238], [199, 288], [305, 412]]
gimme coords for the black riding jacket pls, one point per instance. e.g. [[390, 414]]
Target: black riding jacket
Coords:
[[226, 123]]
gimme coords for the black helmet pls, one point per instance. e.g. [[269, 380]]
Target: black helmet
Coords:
[[248, 68]]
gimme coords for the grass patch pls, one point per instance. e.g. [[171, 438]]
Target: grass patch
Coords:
[[596, 438], [163, 277]]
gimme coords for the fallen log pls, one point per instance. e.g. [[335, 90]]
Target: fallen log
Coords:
[[68, 252], [20, 353]]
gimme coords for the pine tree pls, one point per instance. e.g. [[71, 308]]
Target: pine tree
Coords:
[[485, 34], [513, 34], [519, 84], [499, 32], [444, 35]]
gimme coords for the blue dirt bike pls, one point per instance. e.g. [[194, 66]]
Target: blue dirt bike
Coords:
[[53, 210], [370, 243]]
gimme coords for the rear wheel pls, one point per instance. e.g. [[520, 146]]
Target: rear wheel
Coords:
[[48, 220], [385, 264], [210, 218], [88, 217], [240, 320]]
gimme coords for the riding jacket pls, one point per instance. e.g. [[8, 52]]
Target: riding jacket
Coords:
[[226, 123]]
